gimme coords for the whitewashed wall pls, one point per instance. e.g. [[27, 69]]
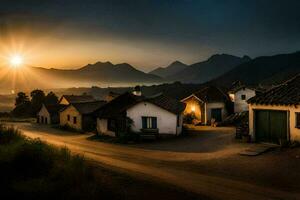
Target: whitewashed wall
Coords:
[[166, 121], [239, 104], [293, 131]]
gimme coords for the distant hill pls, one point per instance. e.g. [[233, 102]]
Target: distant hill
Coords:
[[207, 70], [104, 72], [170, 70], [265, 70], [100, 73]]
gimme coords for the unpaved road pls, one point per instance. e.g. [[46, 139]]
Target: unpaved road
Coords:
[[206, 162]]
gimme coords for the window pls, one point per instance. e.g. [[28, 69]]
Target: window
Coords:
[[46, 120], [68, 117], [297, 117], [74, 120], [243, 97], [149, 122]]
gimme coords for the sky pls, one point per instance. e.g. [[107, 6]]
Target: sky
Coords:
[[145, 33]]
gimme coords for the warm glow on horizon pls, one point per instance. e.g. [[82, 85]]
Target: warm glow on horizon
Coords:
[[16, 61]]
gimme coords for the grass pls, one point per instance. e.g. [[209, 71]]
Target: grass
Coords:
[[30, 168]]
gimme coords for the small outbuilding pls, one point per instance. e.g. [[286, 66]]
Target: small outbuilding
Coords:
[[49, 114], [80, 116], [274, 116], [206, 104], [155, 115]]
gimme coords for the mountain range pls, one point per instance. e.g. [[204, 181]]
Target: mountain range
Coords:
[[203, 71], [264, 70], [219, 69], [170, 70]]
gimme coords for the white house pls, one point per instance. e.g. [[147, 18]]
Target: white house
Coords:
[[239, 96], [206, 104], [159, 115], [274, 116]]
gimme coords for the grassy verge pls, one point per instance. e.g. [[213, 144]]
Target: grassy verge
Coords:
[[33, 169]]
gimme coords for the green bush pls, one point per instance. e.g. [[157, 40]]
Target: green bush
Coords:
[[32, 169]]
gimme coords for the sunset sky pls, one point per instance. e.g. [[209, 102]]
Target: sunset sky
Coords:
[[146, 34]]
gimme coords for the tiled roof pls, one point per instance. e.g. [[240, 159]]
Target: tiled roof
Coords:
[[117, 106], [78, 98], [88, 107], [287, 93], [167, 103], [55, 108], [120, 104], [211, 94]]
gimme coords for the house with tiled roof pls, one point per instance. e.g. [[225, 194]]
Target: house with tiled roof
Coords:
[[239, 95], [274, 116], [206, 104], [49, 114], [68, 99], [80, 116], [148, 116]]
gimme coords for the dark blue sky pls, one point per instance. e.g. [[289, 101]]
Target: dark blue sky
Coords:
[[150, 33]]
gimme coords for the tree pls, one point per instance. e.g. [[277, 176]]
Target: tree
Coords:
[[51, 99], [37, 99], [21, 99]]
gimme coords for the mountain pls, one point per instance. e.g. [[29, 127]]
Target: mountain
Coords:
[[170, 70], [204, 71], [100, 73], [265, 70]]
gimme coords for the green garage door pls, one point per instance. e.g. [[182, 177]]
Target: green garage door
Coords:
[[270, 126]]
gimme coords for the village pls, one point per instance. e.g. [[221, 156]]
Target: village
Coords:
[[211, 129], [145, 100], [258, 115]]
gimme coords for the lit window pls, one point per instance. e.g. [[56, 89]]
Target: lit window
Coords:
[[149, 122]]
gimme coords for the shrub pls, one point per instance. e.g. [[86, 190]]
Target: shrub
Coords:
[[9, 134]]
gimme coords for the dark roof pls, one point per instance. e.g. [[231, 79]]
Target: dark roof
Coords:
[[211, 94], [236, 89], [119, 105], [78, 98], [287, 93], [54, 108], [167, 103], [88, 107]]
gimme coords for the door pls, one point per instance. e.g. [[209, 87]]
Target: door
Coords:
[[271, 126], [216, 113]]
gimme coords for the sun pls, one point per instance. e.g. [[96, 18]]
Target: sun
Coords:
[[16, 61]]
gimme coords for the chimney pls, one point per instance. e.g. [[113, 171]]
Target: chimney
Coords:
[[137, 91]]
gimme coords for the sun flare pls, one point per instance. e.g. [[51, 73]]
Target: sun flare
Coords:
[[16, 60]]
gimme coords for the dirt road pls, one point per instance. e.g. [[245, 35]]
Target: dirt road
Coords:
[[206, 162]]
